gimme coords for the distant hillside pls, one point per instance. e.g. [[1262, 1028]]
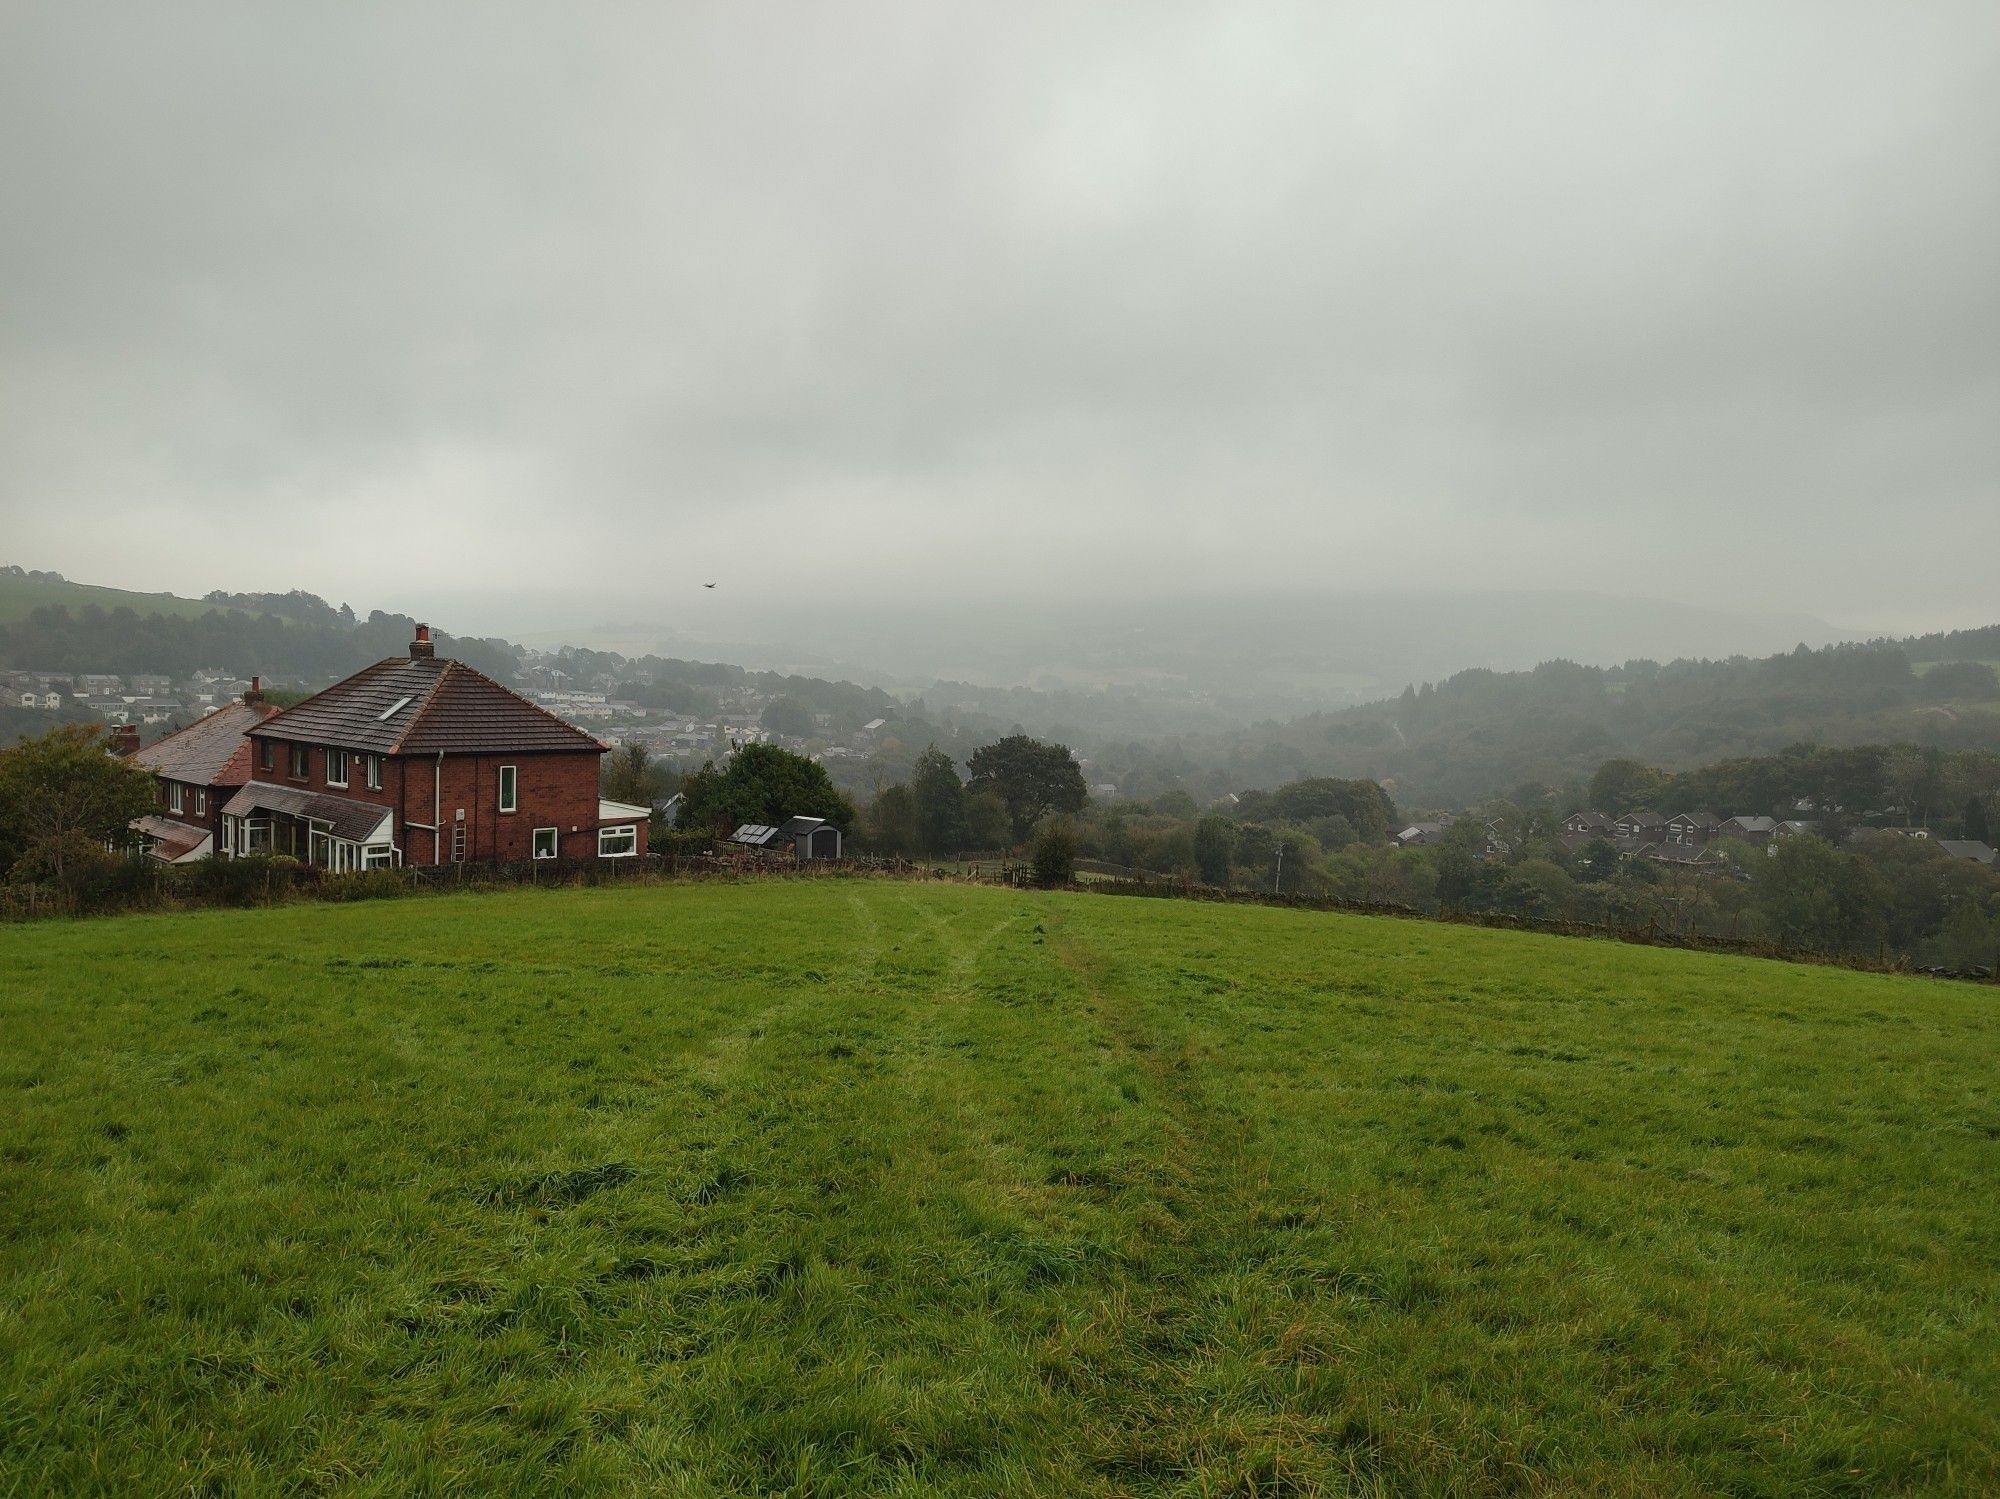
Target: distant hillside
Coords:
[[1481, 733], [22, 592], [1244, 655]]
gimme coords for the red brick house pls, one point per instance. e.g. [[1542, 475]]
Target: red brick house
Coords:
[[195, 771], [422, 760]]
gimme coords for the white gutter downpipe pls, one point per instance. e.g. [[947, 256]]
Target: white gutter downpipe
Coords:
[[437, 811]]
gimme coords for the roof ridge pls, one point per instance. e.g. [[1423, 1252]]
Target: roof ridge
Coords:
[[423, 703], [454, 664]]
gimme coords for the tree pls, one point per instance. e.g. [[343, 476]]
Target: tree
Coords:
[[63, 799], [1364, 804], [1973, 823], [1457, 863], [1031, 778], [1214, 842], [1053, 855], [892, 822], [630, 776], [1972, 681], [939, 801], [765, 784], [985, 820], [789, 715], [1814, 895], [1622, 785], [1598, 859]]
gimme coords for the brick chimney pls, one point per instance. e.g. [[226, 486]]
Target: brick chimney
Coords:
[[124, 739], [254, 693], [422, 646]]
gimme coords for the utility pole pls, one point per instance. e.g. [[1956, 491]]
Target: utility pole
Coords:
[[1278, 879]]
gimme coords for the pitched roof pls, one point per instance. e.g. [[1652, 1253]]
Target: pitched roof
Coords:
[[356, 821], [210, 751], [170, 841], [1975, 849], [425, 705]]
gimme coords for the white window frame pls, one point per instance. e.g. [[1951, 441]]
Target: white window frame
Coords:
[[627, 830], [173, 796], [336, 757], [201, 801], [371, 772], [510, 788], [555, 844], [378, 856]]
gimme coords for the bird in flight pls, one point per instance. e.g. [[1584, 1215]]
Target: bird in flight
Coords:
[[708, 585]]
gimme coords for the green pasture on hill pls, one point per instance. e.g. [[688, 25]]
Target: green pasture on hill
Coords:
[[867, 1187], [20, 597]]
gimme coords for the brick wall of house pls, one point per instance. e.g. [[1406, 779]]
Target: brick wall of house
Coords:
[[209, 821], [553, 790]]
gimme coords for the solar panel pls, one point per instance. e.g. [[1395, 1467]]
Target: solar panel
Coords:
[[392, 710]]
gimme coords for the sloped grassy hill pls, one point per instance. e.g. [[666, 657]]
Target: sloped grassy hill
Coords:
[[19, 597], [854, 1187]]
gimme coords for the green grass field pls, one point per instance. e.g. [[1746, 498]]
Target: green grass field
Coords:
[[20, 597], [864, 1187]]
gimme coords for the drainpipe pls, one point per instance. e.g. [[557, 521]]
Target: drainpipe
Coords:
[[437, 810]]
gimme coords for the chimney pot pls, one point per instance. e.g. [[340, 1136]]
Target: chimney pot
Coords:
[[422, 646], [254, 693]]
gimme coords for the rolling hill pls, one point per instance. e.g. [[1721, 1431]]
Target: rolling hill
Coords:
[[858, 1187], [20, 596]]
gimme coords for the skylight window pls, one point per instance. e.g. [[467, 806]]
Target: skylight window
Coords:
[[392, 710]]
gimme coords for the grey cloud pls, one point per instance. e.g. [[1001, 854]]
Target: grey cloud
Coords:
[[1213, 294]]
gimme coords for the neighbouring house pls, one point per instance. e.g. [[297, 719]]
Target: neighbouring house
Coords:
[[806, 837], [1649, 827], [1692, 827], [196, 770], [1792, 829], [1749, 829], [1421, 834], [1970, 848], [1586, 825], [668, 810], [422, 760]]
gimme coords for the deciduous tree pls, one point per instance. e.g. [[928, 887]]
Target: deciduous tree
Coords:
[[765, 784], [63, 799], [1031, 778], [938, 798]]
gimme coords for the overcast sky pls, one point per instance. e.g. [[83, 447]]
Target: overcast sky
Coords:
[[577, 306]]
